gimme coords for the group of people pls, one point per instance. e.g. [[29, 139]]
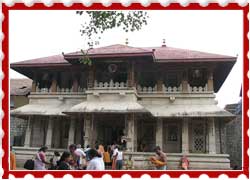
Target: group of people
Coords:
[[76, 158], [98, 158]]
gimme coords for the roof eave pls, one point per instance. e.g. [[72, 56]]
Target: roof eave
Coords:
[[231, 59]]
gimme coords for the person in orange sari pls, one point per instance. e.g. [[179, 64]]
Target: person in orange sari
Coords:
[[12, 160]]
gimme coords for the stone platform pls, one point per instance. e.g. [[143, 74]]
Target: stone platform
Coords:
[[141, 159]]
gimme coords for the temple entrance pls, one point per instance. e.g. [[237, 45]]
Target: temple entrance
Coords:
[[110, 128]]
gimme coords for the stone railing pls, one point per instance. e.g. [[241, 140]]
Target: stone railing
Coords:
[[58, 90], [173, 89], [197, 89], [146, 89], [110, 85]]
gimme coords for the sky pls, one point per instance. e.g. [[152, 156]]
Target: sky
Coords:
[[34, 34]]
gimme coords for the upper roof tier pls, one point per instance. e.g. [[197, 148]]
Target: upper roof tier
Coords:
[[158, 54]]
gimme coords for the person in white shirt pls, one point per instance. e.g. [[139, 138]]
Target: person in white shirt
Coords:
[[94, 163], [114, 157], [119, 159]]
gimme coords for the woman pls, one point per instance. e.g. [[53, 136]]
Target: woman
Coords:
[[100, 151], [40, 159], [94, 163], [63, 163], [106, 158]]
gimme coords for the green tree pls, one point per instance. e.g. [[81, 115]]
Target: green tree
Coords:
[[97, 22]]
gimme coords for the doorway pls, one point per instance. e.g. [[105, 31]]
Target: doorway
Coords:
[[110, 128]]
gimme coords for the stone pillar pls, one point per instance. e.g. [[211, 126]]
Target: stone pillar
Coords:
[[28, 133], [159, 133], [33, 88], [34, 82], [131, 78], [185, 137], [91, 77], [75, 83], [184, 82], [71, 131], [48, 140], [211, 136], [87, 130], [210, 81], [132, 133], [159, 84], [54, 83]]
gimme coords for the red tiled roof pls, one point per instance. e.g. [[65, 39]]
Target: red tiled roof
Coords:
[[20, 87], [160, 54], [113, 49], [56, 59], [173, 54]]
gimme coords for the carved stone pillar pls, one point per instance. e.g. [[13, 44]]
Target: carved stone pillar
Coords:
[[48, 140], [71, 136], [210, 81], [184, 82], [91, 77], [159, 84], [54, 83], [211, 136], [132, 133], [131, 75], [75, 83], [88, 130], [159, 133], [185, 136], [34, 83], [28, 133]]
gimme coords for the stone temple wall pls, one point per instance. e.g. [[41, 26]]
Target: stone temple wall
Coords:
[[234, 141], [17, 131]]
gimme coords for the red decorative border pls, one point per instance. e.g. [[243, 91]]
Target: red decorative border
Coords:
[[118, 6]]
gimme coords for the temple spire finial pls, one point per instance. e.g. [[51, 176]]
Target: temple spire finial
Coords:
[[126, 41], [163, 43]]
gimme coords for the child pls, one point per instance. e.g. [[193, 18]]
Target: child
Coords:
[[184, 163], [129, 163], [54, 160]]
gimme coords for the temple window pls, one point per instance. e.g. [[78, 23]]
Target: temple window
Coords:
[[111, 71], [197, 77], [172, 79], [45, 80], [146, 79], [65, 80]]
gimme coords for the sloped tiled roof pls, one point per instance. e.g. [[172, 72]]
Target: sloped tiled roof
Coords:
[[160, 54], [173, 54], [113, 49], [56, 59], [20, 87]]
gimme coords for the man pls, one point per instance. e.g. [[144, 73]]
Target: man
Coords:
[[78, 155], [161, 156], [86, 151], [94, 163]]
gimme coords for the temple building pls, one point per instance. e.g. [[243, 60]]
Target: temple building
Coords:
[[146, 96]]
